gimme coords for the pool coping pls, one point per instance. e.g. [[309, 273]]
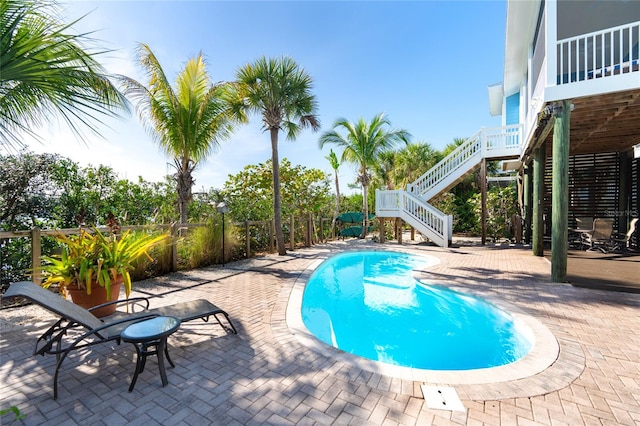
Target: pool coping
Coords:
[[550, 365]]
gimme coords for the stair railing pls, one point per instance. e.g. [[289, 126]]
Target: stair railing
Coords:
[[486, 143], [470, 148], [411, 205], [429, 216]]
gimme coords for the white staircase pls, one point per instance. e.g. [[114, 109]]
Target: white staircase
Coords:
[[411, 205]]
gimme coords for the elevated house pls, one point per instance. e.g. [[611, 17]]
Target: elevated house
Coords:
[[570, 107]]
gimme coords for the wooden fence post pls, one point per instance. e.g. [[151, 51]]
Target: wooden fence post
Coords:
[[307, 237], [333, 230], [272, 227], [292, 232], [174, 247], [247, 232], [36, 253]]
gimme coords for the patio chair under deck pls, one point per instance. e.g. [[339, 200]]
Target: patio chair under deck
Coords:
[[600, 238], [621, 242], [92, 330], [583, 225]]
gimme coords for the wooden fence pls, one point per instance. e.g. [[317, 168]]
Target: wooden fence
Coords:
[[311, 235]]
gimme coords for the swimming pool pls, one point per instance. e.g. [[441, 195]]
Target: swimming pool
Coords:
[[368, 304]]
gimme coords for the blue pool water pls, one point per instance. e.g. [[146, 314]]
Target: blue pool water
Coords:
[[369, 304]]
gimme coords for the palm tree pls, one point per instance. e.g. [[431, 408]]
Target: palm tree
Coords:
[[280, 91], [385, 169], [188, 122], [450, 147], [46, 72], [362, 145], [335, 164], [414, 160]]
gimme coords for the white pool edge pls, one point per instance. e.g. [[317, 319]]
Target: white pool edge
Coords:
[[543, 353]]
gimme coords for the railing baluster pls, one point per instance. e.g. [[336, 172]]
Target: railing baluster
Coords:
[[630, 49], [586, 56], [569, 61], [594, 54], [602, 57], [621, 51], [611, 50], [573, 61]]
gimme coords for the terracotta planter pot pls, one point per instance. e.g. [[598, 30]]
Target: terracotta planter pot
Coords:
[[98, 296]]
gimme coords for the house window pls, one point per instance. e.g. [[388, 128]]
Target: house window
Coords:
[[538, 45], [513, 109]]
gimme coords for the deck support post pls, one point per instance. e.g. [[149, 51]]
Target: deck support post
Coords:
[[538, 201], [528, 202], [483, 200], [624, 205], [560, 193]]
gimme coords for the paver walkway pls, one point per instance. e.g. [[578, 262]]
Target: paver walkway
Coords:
[[265, 376]]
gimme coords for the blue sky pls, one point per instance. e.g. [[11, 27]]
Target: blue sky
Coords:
[[426, 64]]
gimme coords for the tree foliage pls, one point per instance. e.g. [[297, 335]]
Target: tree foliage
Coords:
[[502, 206], [413, 160], [48, 72], [249, 193], [26, 186], [50, 191]]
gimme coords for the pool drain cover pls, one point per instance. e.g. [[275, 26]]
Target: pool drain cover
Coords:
[[442, 398]]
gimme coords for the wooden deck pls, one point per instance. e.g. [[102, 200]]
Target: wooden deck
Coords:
[[605, 271]]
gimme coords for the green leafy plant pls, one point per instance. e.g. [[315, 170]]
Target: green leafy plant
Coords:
[[13, 409], [203, 245], [93, 257], [501, 206]]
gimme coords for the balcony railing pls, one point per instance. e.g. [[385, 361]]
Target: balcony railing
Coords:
[[600, 54]]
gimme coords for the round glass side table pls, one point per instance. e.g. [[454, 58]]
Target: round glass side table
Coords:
[[150, 338]]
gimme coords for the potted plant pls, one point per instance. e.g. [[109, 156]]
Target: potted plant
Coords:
[[94, 266]]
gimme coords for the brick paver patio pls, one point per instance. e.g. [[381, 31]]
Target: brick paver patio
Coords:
[[264, 375]]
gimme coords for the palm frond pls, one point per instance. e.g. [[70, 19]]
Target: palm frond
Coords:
[[281, 92], [48, 72], [362, 142]]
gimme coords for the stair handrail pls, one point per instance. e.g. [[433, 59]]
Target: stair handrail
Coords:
[[448, 164], [430, 216]]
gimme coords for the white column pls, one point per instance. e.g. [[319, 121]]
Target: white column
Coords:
[[551, 27]]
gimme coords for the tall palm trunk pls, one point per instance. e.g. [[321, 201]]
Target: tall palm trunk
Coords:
[[337, 209], [185, 183], [277, 201], [365, 209], [365, 180], [183, 198]]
